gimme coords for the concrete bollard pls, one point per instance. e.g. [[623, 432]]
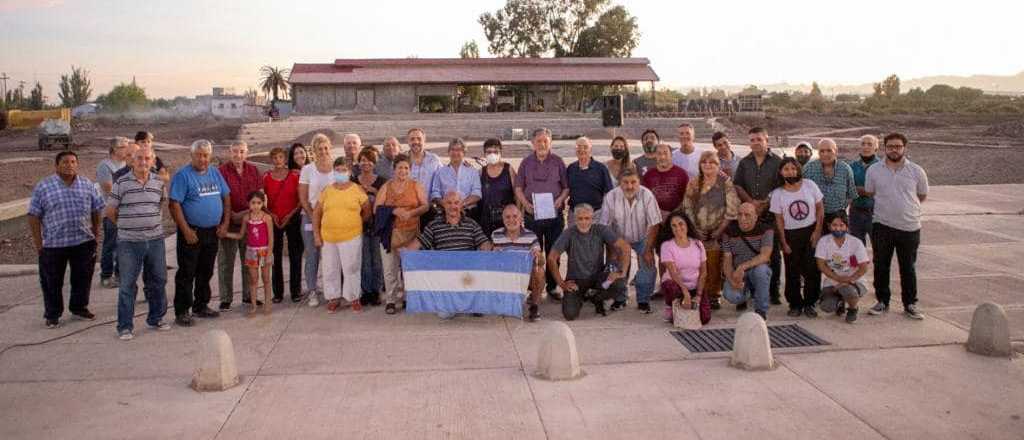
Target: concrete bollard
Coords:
[[751, 349], [990, 331], [216, 369], [558, 358]]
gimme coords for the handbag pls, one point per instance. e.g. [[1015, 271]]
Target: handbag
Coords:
[[686, 318]]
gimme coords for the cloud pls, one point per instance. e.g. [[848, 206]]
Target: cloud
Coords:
[[20, 5]]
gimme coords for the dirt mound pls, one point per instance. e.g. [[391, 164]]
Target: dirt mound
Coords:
[[307, 138], [1012, 129]]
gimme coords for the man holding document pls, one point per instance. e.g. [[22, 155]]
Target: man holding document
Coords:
[[542, 188]]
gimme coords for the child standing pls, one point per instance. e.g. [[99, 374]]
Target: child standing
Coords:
[[258, 243]]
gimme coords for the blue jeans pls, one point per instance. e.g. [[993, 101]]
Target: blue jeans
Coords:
[[757, 280], [150, 258], [860, 222], [645, 275], [108, 254], [312, 261]]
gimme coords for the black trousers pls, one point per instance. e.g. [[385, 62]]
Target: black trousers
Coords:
[[52, 264], [293, 230], [800, 265], [195, 269], [904, 244], [547, 231], [590, 290]]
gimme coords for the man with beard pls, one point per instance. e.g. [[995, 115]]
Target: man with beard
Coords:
[[424, 165], [803, 153], [650, 141], [899, 186]]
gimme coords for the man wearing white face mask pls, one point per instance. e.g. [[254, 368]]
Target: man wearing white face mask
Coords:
[[496, 185]]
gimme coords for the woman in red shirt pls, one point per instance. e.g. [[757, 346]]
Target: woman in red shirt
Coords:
[[282, 187]]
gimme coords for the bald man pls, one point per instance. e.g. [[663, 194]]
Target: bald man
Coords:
[[746, 254], [834, 178]]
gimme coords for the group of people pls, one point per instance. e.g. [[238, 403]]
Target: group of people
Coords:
[[707, 224]]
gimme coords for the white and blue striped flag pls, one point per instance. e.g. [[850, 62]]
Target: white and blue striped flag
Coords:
[[492, 283]]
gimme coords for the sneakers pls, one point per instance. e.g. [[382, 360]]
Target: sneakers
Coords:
[[225, 307], [52, 323], [390, 309], [357, 306], [911, 312], [851, 315], [554, 295], [667, 314], [644, 308], [332, 306], [810, 312], [296, 298], [764, 315], [161, 326], [741, 307], [794, 313], [183, 321], [125, 335], [83, 314], [878, 309], [841, 308], [617, 305], [278, 299], [206, 312], [534, 313], [599, 308], [313, 300], [109, 283], [716, 304], [249, 302]]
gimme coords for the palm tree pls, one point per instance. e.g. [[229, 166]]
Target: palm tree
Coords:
[[273, 79]]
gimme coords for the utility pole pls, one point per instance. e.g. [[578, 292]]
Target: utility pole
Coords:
[[3, 81]]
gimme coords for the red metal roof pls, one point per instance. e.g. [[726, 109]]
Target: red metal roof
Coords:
[[476, 71]]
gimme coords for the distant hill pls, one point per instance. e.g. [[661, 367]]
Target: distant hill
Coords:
[[996, 84]]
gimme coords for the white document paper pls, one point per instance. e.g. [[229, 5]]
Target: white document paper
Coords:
[[543, 206]]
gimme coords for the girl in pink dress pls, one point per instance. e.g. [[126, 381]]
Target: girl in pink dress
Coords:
[[258, 242]]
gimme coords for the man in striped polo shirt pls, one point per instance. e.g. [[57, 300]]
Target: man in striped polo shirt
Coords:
[[135, 207], [452, 232], [515, 238]]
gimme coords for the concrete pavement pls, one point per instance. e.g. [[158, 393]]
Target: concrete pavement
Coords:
[[307, 374]]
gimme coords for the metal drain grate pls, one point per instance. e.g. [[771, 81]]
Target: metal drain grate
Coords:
[[720, 339]]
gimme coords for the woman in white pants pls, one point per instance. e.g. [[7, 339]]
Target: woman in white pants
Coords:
[[338, 232]]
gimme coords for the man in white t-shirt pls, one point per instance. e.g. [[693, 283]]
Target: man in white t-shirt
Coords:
[[843, 261], [687, 157]]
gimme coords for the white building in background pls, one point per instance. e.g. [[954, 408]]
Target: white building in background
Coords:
[[223, 103]]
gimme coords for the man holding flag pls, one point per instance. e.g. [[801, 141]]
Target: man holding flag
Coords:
[[515, 238]]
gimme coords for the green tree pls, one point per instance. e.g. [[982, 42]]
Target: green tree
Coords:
[[75, 88], [124, 97], [273, 80], [562, 28], [36, 100], [517, 29], [472, 95], [889, 88], [614, 35]]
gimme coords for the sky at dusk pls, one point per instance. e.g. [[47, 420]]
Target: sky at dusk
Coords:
[[185, 47]]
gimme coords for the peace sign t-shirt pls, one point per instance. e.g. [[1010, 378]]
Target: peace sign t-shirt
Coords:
[[797, 207]]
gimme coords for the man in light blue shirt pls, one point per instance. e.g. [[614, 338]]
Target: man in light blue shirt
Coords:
[[424, 163], [457, 176]]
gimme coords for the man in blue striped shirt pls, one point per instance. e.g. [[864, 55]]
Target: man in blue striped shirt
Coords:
[[64, 217], [135, 206], [834, 178], [515, 238]]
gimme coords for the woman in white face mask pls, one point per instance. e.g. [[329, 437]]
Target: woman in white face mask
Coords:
[[496, 187], [338, 232]]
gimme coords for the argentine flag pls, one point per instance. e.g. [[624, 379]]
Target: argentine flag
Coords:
[[492, 283]]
